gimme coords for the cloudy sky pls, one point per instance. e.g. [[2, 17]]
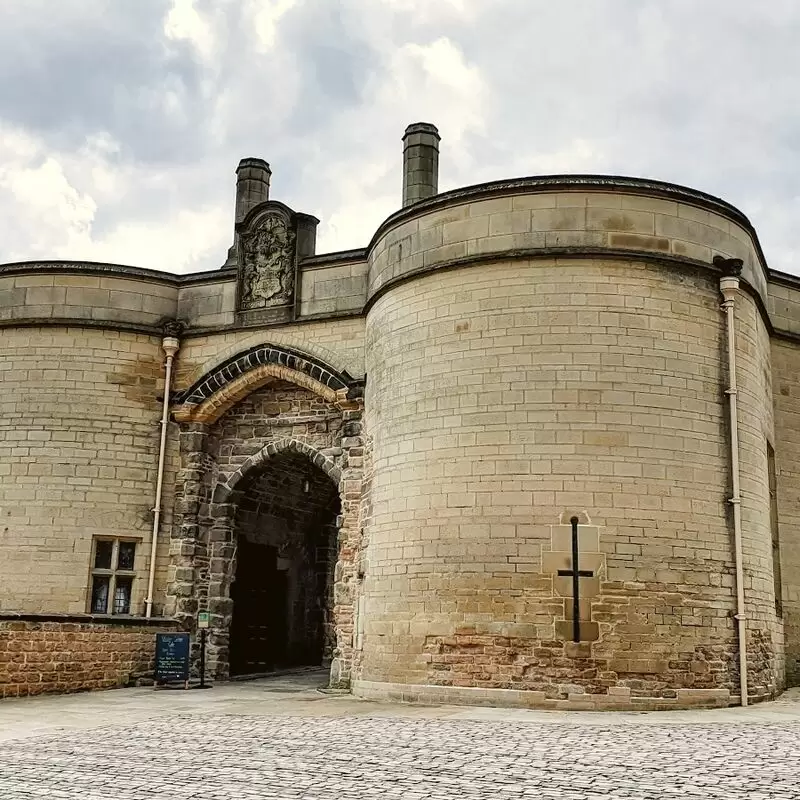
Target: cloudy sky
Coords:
[[122, 121]]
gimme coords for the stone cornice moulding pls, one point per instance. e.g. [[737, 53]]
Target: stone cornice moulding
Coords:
[[108, 270], [156, 330], [88, 619]]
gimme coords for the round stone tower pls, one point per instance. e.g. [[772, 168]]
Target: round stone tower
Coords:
[[547, 374]]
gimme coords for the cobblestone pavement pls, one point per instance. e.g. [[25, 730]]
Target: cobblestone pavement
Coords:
[[308, 751]]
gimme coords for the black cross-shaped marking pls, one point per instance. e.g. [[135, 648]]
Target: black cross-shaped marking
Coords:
[[576, 574]]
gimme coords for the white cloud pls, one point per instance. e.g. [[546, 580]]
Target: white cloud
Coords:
[[436, 79], [185, 22], [182, 241], [266, 15], [46, 192], [53, 215], [43, 207], [577, 155], [366, 193], [131, 156], [425, 12]]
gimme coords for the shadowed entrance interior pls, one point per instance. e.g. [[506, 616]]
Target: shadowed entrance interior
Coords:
[[285, 529]]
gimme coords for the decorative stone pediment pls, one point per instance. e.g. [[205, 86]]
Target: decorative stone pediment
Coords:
[[267, 258]]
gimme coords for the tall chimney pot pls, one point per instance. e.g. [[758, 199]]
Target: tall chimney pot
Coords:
[[420, 162], [252, 185]]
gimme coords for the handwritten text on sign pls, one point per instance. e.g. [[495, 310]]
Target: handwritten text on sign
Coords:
[[172, 657]]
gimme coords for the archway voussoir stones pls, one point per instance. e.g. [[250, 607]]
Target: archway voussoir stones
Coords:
[[293, 445], [212, 395]]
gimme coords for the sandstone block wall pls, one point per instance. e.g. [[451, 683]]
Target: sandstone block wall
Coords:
[[40, 654], [208, 304], [783, 304], [339, 343], [756, 430], [501, 401], [327, 289], [786, 387], [78, 451], [141, 298], [79, 435], [328, 286]]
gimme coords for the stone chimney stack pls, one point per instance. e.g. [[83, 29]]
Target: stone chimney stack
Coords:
[[252, 185], [252, 188], [420, 162]]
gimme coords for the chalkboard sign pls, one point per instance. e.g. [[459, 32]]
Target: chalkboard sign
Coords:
[[172, 657]]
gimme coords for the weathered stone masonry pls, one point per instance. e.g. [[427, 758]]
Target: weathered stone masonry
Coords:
[[42, 653], [220, 462], [403, 434]]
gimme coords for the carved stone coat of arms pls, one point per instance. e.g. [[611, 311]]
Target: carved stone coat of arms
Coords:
[[267, 263]]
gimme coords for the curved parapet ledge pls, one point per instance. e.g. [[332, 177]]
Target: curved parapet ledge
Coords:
[[93, 294], [563, 215], [135, 299]]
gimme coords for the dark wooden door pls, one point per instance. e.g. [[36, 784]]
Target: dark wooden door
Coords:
[[259, 631]]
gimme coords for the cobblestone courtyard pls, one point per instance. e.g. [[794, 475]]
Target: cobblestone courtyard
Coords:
[[284, 739]]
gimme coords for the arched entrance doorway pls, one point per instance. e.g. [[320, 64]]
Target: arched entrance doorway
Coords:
[[267, 403], [285, 533]]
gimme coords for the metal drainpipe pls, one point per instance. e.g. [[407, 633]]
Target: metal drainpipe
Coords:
[[170, 344], [729, 288]]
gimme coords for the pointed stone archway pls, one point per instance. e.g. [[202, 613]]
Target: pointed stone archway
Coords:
[[284, 512], [222, 493]]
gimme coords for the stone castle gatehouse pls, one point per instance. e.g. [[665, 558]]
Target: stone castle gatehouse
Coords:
[[537, 443]]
